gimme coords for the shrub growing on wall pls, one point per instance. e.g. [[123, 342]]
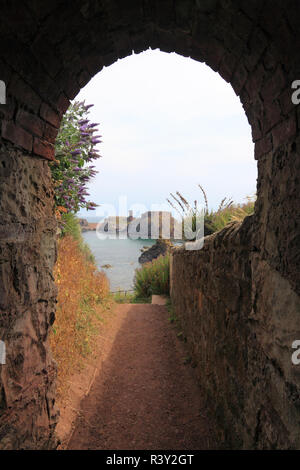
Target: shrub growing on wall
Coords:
[[213, 220]]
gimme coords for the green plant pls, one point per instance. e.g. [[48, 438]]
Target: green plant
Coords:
[[129, 298], [153, 278], [213, 220], [71, 227], [75, 148]]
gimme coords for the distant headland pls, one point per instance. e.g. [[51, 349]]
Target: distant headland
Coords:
[[150, 225]]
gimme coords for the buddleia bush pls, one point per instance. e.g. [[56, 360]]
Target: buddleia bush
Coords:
[[75, 150]]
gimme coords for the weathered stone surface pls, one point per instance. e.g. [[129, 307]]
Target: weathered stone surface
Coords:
[[48, 50], [27, 302], [45, 68], [240, 317]]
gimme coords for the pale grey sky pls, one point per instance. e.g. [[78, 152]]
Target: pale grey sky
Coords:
[[167, 124]]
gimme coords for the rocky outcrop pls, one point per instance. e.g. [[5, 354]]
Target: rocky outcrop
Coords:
[[87, 226], [160, 248]]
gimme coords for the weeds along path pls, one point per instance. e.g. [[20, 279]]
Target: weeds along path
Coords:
[[146, 395]]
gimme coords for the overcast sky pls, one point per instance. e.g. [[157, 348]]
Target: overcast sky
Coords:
[[167, 124]]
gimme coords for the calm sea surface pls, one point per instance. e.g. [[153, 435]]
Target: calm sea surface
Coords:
[[122, 255]]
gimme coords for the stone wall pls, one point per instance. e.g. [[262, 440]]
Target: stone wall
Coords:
[[27, 301], [48, 51], [240, 342]]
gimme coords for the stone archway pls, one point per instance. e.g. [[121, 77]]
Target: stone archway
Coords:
[[51, 49]]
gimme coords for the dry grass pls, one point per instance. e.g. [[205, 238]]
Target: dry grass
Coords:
[[229, 212], [83, 293]]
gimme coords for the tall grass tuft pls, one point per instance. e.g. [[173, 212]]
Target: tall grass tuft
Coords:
[[82, 292], [153, 278], [213, 220], [228, 212]]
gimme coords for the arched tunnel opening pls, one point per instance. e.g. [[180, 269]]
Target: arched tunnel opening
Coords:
[[48, 52], [165, 120]]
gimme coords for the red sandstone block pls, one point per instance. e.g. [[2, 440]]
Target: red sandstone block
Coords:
[[263, 146], [255, 80], [269, 60], [93, 63], [227, 66], [109, 59], [245, 99], [30, 122], [43, 149], [23, 93], [62, 103], [270, 17], [67, 83], [50, 133], [298, 115], [42, 9], [256, 130], [50, 115], [293, 15], [212, 50], [7, 110], [285, 101], [274, 86], [272, 116], [284, 131], [16, 135], [239, 78], [252, 8], [83, 78], [43, 51], [243, 26], [257, 44], [5, 72]]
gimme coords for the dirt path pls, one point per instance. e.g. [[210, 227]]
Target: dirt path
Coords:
[[145, 396]]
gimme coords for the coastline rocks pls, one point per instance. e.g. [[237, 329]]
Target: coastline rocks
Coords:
[[87, 226], [161, 247]]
